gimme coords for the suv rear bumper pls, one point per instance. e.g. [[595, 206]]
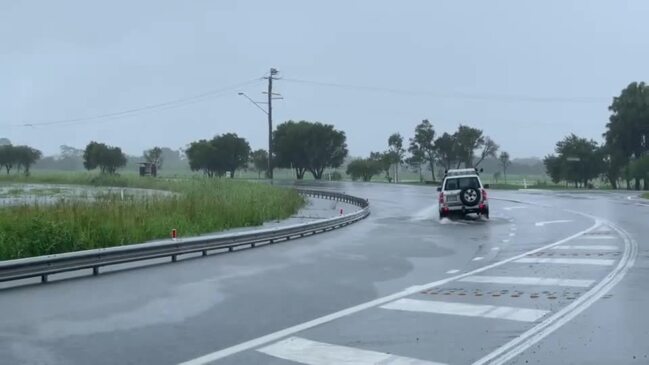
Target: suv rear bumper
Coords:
[[466, 210]]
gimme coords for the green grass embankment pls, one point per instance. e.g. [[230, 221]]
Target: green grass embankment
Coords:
[[199, 205]]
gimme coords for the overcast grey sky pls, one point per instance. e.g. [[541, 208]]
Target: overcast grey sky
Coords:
[[526, 73]]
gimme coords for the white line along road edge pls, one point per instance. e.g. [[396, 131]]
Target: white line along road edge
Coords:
[[259, 341], [521, 343]]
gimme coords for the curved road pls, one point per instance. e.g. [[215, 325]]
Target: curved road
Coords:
[[551, 278]]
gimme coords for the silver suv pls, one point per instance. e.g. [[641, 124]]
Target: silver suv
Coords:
[[462, 193]]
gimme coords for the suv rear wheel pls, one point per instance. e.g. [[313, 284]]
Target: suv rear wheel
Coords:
[[470, 196]]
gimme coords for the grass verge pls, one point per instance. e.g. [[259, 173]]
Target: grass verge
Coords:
[[200, 206], [645, 195]]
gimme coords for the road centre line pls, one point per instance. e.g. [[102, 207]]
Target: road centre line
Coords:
[[453, 271], [478, 258], [466, 309], [523, 280], [541, 224], [274, 336], [309, 352], [587, 247], [567, 261], [555, 321]]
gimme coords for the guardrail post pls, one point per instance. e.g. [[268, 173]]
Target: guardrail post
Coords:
[[230, 249], [44, 278], [95, 270], [173, 258], [204, 252]]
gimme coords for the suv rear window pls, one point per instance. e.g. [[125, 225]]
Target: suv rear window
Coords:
[[461, 183]]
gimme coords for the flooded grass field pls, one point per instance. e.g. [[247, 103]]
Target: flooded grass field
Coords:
[[40, 219]]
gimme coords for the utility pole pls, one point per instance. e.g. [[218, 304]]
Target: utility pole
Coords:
[[271, 96], [273, 72]]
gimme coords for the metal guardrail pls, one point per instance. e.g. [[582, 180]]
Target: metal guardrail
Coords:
[[94, 259]]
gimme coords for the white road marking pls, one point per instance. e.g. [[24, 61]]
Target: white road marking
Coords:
[[512, 228], [513, 348], [516, 207], [506, 240], [453, 271], [587, 247], [477, 258], [310, 352], [512, 234], [274, 336], [495, 248], [466, 309], [541, 224], [597, 237], [542, 260], [522, 280]]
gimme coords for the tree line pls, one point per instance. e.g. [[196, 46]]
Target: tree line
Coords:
[[20, 158], [301, 146], [466, 147], [624, 155]]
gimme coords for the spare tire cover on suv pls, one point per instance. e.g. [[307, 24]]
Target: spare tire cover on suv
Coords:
[[470, 196]]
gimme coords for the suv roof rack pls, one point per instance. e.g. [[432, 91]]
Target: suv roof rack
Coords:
[[458, 172]]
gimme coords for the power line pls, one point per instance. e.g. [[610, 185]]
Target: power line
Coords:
[[465, 96], [170, 104]]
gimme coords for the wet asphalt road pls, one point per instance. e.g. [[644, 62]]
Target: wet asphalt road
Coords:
[[547, 280]]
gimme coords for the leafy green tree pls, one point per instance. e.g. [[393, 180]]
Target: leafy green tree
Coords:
[[423, 145], [578, 160], [446, 149], [5, 142], [154, 156], [107, 158], [467, 140], [201, 158], [364, 169], [627, 132], [7, 157], [639, 169], [384, 161], [259, 159], [25, 157], [232, 151], [223, 153], [505, 162], [554, 168], [489, 149], [396, 152], [306, 146]]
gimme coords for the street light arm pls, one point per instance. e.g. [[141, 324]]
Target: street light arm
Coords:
[[254, 102]]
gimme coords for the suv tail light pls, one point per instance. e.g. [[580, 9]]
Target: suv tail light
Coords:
[[441, 198], [484, 195]]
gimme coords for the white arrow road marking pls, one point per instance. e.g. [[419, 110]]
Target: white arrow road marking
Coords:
[[310, 352], [541, 224]]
